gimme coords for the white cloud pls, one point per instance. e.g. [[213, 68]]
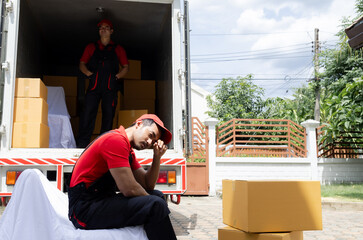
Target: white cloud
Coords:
[[289, 22]]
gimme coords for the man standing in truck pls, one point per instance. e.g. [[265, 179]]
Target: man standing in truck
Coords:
[[101, 63], [108, 165]]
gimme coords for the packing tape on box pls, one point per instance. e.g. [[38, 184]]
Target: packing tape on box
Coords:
[[26, 109], [26, 87], [24, 131]]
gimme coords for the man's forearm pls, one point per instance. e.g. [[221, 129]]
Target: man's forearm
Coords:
[[83, 68], [136, 191], [122, 72]]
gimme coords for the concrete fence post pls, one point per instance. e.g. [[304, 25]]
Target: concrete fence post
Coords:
[[311, 146], [211, 123]]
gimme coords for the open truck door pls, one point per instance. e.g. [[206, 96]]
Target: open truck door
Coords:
[[34, 43]]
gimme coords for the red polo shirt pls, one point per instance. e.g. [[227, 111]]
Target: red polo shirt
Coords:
[[90, 49], [111, 150]]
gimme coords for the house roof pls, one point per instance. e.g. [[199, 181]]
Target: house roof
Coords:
[[355, 34]]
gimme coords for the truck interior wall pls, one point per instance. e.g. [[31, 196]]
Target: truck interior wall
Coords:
[[164, 75], [30, 42]]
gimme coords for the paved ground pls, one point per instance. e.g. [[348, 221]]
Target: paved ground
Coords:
[[198, 218]]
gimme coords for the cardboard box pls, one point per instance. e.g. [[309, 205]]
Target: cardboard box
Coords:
[[272, 206], [229, 233], [31, 110], [134, 70], [128, 117], [30, 135], [68, 83], [71, 103], [144, 89], [139, 104], [30, 88]]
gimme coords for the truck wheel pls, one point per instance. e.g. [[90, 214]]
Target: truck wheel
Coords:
[[5, 201]]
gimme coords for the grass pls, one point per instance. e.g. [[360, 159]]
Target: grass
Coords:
[[344, 192]]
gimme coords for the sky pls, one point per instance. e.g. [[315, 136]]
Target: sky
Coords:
[[272, 40]]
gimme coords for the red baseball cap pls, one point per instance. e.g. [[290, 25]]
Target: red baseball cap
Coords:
[[105, 21], [166, 137]]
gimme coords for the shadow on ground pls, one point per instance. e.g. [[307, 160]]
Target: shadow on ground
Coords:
[[183, 224]]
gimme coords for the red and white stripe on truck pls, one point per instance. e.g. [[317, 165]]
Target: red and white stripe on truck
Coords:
[[172, 177]]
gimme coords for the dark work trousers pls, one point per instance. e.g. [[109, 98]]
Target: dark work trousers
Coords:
[[100, 207], [88, 116]]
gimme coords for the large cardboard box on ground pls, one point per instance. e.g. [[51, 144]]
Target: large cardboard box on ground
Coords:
[[68, 83], [30, 88], [144, 89], [30, 110], [229, 233], [30, 135], [272, 206], [128, 117], [134, 70]]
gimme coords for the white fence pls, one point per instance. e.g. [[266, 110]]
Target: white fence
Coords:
[[325, 170]]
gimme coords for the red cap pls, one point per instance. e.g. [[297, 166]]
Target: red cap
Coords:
[[105, 21], [166, 137]]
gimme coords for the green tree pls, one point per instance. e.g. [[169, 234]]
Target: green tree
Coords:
[[236, 98], [297, 109], [341, 81]]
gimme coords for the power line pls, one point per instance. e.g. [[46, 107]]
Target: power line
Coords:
[[254, 79], [241, 34], [274, 53], [260, 50], [250, 58]]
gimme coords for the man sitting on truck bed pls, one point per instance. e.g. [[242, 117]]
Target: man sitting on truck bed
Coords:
[[108, 165], [101, 62]]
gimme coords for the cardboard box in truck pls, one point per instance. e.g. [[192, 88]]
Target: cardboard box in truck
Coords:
[[127, 117], [134, 70], [30, 135], [68, 83], [31, 110], [144, 89], [30, 88]]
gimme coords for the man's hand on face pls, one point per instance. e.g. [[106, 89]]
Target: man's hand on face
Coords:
[[159, 149]]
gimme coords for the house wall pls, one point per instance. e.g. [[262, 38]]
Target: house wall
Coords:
[[199, 102], [330, 171]]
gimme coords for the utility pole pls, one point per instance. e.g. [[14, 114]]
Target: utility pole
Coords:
[[316, 71]]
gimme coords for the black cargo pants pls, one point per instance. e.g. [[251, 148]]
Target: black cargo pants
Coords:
[[99, 207]]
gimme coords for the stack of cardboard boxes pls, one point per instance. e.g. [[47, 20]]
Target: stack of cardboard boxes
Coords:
[[270, 210], [139, 95], [30, 129]]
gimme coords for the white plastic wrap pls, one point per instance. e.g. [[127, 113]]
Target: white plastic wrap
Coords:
[[60, 128], [38, 210]]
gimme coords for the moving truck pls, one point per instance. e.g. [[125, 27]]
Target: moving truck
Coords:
[[44, 40]]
